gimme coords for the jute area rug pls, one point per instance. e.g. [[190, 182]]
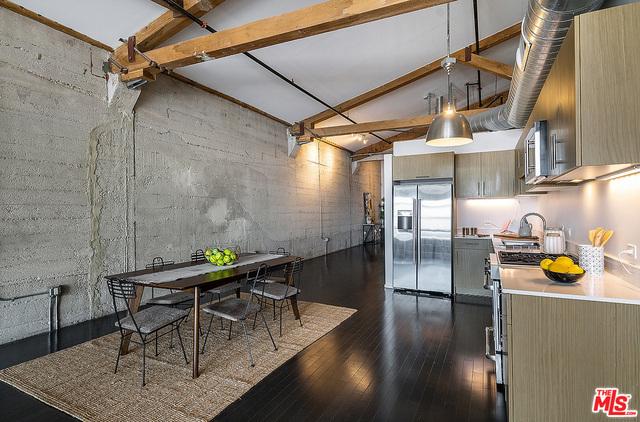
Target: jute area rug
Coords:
[[80, 380]]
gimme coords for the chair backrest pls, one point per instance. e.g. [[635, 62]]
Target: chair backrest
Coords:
[[198, 256], [280, 251], [158, 264], [257, 278], [125, 290], [121, 289], [293, 272]]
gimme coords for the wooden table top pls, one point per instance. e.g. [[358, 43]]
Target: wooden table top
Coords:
[[212, 279]]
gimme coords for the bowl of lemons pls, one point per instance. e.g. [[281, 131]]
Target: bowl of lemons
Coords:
[[562, 270]]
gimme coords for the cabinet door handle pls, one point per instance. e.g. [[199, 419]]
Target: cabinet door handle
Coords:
[[478, 188], [483, 189]]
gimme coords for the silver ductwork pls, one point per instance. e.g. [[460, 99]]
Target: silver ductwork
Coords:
[[544, 28]]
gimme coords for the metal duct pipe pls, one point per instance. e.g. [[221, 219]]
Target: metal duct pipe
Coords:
[[544, 28]]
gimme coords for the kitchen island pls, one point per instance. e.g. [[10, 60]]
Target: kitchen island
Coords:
[[564, 341]]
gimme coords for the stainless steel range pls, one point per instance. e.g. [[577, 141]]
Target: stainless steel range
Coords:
[[492, 282], [525, 258]]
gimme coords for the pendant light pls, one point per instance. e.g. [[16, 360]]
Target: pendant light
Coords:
[[449, 128]]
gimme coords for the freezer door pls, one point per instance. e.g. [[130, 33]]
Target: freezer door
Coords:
[[405, 199], [435, 209]]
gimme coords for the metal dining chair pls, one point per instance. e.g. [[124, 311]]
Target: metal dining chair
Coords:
[[238, 310], [280, 292], [145, 323]]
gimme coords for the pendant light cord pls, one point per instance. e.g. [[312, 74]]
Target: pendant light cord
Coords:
[[448, 68]]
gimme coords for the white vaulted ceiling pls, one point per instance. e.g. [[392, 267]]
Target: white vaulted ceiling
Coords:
[[334, 66]]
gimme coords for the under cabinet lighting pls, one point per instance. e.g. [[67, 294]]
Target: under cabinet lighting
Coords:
[[621, 173]]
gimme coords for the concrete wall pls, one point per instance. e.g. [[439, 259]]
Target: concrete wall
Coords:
[[87, 189]]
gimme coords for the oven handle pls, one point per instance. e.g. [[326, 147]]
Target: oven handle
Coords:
[[487, 275], [487, 347]]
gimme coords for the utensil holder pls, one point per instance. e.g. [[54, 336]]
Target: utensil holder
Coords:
[[591, 259]]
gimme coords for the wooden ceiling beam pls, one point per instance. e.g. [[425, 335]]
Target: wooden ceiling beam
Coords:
[[378, 126], [483, 63], [164, 27], [415, 133], [324, 17], [485, 43]]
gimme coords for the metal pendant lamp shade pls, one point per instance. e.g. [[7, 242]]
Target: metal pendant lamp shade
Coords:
[[449, 129]]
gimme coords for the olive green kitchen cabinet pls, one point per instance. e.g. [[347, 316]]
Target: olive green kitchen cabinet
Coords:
[[423, 166], [485, 174], [560, 350], [468, 266], [590, 98]]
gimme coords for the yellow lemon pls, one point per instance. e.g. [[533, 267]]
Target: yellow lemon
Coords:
[[564, 260], [558, 267], [544, 264], [575, 269]]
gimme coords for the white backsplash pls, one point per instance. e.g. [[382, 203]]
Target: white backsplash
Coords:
[[489, 215], [612, 204]]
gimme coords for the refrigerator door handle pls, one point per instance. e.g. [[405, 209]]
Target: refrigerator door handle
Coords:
[[414, 228], [419, 229]]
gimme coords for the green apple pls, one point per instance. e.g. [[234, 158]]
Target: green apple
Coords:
[[208, 252], [227, 259]]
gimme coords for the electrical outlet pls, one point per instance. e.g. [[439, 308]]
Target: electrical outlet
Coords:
[[633, 250], [569, 232]]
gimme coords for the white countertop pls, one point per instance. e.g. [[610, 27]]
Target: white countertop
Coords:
[[532, 281]]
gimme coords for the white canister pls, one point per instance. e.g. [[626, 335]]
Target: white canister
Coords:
[[554, 241], [591, 259]]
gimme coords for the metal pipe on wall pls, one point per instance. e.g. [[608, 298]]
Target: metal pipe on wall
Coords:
[[544, 28], [53, 293]]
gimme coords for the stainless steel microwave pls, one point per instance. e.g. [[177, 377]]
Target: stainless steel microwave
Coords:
[[536, 157]]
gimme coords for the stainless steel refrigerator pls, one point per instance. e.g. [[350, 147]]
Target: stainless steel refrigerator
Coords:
[[422, 240]]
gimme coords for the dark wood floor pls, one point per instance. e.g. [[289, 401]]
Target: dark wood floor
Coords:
[[399, 358]]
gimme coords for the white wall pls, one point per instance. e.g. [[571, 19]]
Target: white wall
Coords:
[[482, 142], [612, 204]]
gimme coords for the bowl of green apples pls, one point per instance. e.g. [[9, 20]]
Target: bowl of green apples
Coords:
[[220, 257]]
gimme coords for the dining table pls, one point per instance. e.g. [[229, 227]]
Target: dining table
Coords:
[[197, 276]]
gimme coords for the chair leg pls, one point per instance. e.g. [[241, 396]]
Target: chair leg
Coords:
[[246, 338], [230, 325], [281, 303], [274, 310], [268, 331], [171, 340], [254, 320], [300, 318], [207, 335], [118, 358], [181, 345], [144, 362]]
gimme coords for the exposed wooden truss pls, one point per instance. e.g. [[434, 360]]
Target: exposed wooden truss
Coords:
[[414, 133], [485, 43], [164, 27], [324, 17], [377, 126], [479, 62]]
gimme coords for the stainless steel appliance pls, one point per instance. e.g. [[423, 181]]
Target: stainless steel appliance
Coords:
[[526, 258], [422, 236], [495, 335], [536, 156]]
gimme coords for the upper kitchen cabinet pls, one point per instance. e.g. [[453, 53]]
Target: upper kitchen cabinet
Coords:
[[423, 166], [485, 174], [590, 99]]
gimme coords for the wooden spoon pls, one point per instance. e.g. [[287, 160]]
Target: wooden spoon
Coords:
[[599, 235], [605, 238]]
